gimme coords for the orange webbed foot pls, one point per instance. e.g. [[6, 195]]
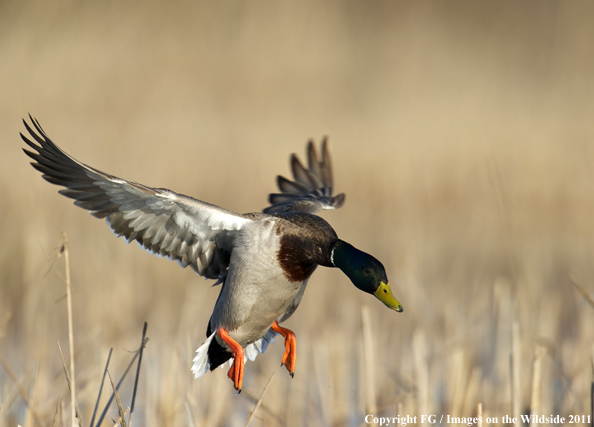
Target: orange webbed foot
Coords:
[[290, 356], [236, 371]]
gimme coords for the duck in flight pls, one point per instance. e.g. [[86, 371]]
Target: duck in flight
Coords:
[[263, 260]]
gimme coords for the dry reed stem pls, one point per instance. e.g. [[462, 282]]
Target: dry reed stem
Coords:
[[66, 279], [539, 352], [57, 412], [259, 402], [62, 412], [459, 382], [20, 388], [322, 378], [265, 407], [191, 422], [119, 383], [9, 398], [479, 414], [101, 387], [76, 411], [4, 323], [472, 391], [582, 291], [142, 341], [422, 373], [592, 396], [32, 395], [216, 400], [64, 250], [515, 359], [119, 420], [369, 361], [118, 401]]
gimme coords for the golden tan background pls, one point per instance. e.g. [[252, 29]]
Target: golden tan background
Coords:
[[462, 133]]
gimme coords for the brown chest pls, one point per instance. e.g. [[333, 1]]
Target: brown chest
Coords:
[[299, 258]]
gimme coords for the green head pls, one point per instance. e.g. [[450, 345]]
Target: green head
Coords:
[[366, 273]]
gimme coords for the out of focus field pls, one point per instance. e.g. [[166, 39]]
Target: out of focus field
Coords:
[[462, 133]]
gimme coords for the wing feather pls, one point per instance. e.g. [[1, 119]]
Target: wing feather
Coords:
[[192, 232], [311, 190]]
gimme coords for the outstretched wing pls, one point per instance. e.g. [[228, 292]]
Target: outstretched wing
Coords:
[[311, 190], [168, 224]]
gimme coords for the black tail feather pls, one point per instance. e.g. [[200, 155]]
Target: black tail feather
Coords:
[[217, 354]]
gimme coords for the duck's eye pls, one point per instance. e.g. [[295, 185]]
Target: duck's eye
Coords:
[[366, 270]]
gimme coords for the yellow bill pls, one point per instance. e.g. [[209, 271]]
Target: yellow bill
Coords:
[[384, 294]]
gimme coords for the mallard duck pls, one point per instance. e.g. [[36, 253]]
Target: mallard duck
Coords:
[[263, 260]]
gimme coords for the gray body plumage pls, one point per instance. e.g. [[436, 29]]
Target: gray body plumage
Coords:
[[258, 290]]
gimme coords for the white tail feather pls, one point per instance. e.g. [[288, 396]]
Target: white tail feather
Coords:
[[201, 363]]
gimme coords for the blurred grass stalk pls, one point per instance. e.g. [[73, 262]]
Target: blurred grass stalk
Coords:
[[72, 382], [535, 401], [515, 368], [369, 361]]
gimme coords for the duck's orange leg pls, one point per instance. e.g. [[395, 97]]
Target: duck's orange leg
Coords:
[[236, 371], [290, 356]]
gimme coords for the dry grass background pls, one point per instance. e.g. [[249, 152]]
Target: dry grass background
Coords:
[[462, 133]]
